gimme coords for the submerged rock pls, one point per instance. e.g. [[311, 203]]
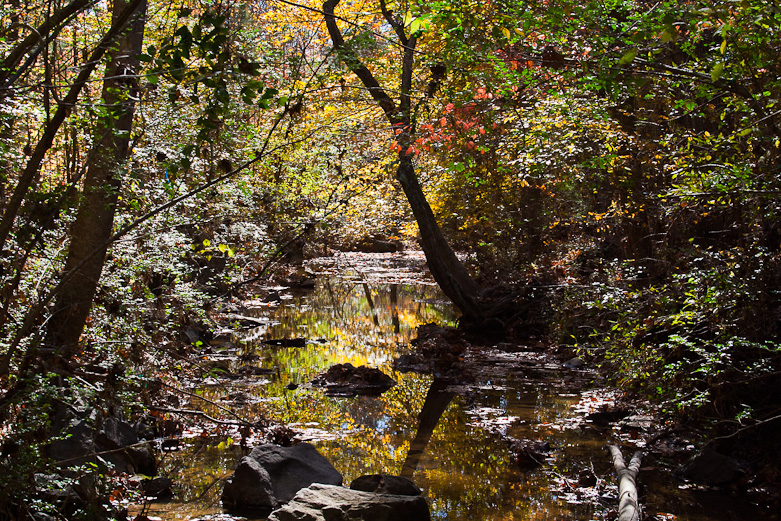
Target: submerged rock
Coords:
[[377, 244], [711, 468], [604, 417], [285, 342], [528, 453], [158, 488], [271, 475], [331, 503], [438, 351], [384, 484], [348, 380]]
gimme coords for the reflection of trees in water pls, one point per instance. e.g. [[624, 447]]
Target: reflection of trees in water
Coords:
[[437, 400], [367, 292], [358, 313]]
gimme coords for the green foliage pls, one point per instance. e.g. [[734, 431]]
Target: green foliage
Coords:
[[622, 153], [203, 55], [698, 339]]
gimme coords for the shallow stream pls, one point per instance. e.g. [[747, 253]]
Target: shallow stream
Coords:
[[449, 438]]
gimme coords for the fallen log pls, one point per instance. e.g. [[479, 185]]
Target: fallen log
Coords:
[[628, 505]]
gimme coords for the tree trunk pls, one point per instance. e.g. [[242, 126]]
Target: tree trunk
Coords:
[[29, 175], [447, 270], [95, 218], [451, 275]]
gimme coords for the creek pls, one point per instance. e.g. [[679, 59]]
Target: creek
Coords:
[[449, 437]]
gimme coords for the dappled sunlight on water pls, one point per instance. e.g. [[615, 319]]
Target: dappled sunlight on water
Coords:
[[448, 437]]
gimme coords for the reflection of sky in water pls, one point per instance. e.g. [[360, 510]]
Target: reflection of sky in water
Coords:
[[465, 468]]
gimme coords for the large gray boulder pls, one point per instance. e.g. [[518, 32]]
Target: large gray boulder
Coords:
[[271, 475], [331, 503]]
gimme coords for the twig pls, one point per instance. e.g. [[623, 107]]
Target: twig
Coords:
[[193, 412], [243, 421], [748, 427]]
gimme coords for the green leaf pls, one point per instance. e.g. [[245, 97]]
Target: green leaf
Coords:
[[717, 71], [628, 57], [144, 58], [222, 95]]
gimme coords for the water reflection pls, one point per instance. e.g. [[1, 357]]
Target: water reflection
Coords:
[[448, 439], [438, 399]]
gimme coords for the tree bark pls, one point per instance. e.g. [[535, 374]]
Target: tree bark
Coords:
[[102, 183], [447, 270], [451, 275], [628, 505]]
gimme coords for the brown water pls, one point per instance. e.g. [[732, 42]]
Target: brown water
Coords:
[[446, 437]]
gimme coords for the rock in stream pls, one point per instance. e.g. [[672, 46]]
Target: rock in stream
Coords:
[[331, 503], [271, 475]]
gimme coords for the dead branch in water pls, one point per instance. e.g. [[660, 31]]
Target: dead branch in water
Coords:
[[628, 505]]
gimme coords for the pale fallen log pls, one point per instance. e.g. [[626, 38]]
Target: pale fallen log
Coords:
[[628, 505]]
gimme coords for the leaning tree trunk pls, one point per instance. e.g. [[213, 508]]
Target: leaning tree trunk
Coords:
[[447, 270], [451, 275], [95, 218], [438, 399]]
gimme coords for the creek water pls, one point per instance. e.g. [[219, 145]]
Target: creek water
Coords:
[[448, 437]]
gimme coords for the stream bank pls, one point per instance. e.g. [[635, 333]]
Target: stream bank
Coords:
[[453, 436]]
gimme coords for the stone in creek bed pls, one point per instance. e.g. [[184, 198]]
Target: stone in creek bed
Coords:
[[711, 468], [158, 488], [271, 475], [330, 503], [348, 380], [286, 342]]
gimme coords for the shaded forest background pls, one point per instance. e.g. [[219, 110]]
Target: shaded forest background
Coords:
[[614, 162]]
